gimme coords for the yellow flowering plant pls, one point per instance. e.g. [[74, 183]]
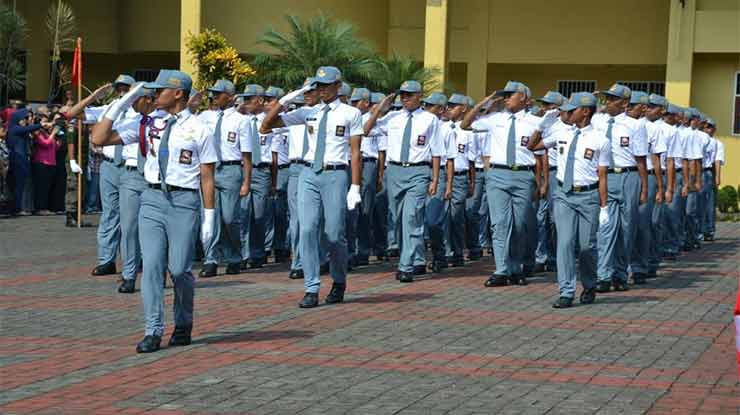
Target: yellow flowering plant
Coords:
[[215, 59]]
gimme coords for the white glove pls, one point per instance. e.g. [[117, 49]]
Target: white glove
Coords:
[[74, 167], [603, 216], [550, 118], [290, 96], [124, 103], [353, 196], [206, 230]]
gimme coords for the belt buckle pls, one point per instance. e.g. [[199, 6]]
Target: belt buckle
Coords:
[[405, 164], [577, 189], [515, 168], [618, 170]]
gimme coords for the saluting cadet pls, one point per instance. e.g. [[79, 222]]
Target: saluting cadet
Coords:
[[276, 237], [178, 163], [719, 160], [706, 215], [415, 146], [510, 183], [194, 102], [580, 197], [255, 204], [545, 252], [466, 150], [232, 179], [677, 183], [476, 207], [644, 258], [436, 211], [335, 131], [627, 187], [695, 149]]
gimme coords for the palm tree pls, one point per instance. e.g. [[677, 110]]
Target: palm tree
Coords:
[[308, 44], [61, 26], [13, 32], [389, 73]]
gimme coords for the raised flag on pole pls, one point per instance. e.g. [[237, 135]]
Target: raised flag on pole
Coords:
[[77, 64]]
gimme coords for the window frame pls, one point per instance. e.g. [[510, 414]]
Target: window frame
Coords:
[[559, 81], [735, 107]]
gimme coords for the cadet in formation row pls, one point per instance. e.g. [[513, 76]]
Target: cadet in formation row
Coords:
[[549, 186]]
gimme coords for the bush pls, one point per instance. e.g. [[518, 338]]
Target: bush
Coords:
[[214, 59], [727, 199]]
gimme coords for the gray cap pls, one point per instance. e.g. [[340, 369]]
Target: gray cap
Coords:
[[345, 90], [458, 99], [328, 75], [376, 97], [436, 98], [170, 78], [275, 92], [579, 99], [359, 94], [513, 87], [617, 90], [410, 86], [223, 85], [252, 90], [124, 79]]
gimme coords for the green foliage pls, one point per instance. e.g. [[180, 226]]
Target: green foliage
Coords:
[[390, 73], [61, 26], [214, 59], [727, 199], [13, 32]]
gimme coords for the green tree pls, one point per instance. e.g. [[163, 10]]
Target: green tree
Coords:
[[61, 26], [308, 44], [13, 32], [215, 59], [389, 73]]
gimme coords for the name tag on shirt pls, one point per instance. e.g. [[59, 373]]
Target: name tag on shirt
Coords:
[[461, 148], [624, 141], [232, 137], [421, 140], [263, 140], [310, 129], [524, 141], [588, 154], [186, 157], [340, 131]]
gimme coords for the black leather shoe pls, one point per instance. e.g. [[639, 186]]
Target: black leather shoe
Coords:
[[588, 296], [420, 270], [255, 263], [497, 281], [651, 274], [104, 269], [620, 285], [603, 287], [244, 265], [324, 269], [539, 268], [686, 248], [393, 253], [708, 237], [436, 266], [233, 269], [127, 287], [518, 279], [296, 274], [405, 277], [181, 336], [208, 271], [399, 274], [149, 344], [474, 255], [563, 302], [456, 261], [281, 256], [336, 295], [639, 278], [310, 300], [551, 268], [362, 262]]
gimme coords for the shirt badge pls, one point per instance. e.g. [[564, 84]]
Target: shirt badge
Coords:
[[421, 140], [461, 148], [524, 141], [186, 157], [232, 137], [588, 154], [340, 131], [624, 141]]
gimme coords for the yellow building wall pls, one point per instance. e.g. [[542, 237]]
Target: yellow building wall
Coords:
[[731, 169], [149, 26]]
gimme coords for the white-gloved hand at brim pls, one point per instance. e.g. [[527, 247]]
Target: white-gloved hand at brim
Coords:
[[290, 96], [206, 230], [550, 118], [124, 103], [353, 196], [74, 167], [603, 216]]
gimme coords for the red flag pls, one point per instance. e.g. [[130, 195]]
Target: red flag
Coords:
[[77, 64]]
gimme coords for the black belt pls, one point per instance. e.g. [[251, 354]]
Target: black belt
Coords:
[[579, 189], [651, 171], [620, 170], [131, 168], [231, 163], [261, 166], [679, 169], [421, 163], [110, 160], [461, 173], [283, 166], [330, 167], [171, 188], [479, 169], [513, 168], [553, 168], [369, 159], [299, 161], [708, 169]]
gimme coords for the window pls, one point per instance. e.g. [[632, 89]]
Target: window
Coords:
[[146, 75], [568, 87], [736, 108], [651, 87]]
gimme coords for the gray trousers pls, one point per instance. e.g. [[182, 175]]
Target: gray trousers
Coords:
[[708, 195], [513, 219], [476, 216], [132, 187], [167, 229], [109, 228], [644, 245], [545, 252], [693, 213], [577, 220], [436, 217], [294, 227], [456, 217], [674, 219], [225, 244], [254, 209], [657, 225], [360, 240], [322, 195], [407, 191], [617, 237], [277, 222], [379, 228]]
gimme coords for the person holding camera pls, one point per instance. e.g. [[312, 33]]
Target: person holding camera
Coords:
[[43, 164]]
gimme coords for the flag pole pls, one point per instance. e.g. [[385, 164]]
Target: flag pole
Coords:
[[79, 136]]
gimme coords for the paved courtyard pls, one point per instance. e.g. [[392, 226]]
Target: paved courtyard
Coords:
[[442, 345]]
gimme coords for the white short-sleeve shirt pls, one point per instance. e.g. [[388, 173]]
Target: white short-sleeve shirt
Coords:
[[498, 124], [709, 149], [592, 152], [720, 153], [629, 139], [370, 143], [656, 139], [280, 145], [426, 138], [694, 143], [233, 134], [465, 146], [93, 116], [552, 155]]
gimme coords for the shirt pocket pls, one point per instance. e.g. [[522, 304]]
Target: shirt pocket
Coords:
[[185, 154]]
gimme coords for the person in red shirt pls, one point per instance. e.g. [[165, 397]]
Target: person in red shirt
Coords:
[[43, 165]]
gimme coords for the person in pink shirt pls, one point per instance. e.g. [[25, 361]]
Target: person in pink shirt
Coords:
[[43, 165]]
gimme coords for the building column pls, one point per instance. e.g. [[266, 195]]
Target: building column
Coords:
[[435, 38], [680, 52], [477, 71], [191, 22]]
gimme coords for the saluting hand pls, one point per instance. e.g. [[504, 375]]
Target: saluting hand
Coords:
[[102, 91], [387, 101]]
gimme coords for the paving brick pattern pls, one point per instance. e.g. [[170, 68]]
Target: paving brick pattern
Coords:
[[441, 345]]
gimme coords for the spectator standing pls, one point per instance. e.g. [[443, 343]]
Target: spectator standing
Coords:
[[19, 131], [43, 165]]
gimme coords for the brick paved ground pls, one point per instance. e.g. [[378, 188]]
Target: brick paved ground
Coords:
[[442, 345]]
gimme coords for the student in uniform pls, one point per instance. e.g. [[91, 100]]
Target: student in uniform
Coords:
[[580, 197], [706, 214], [695, 154], [415, 146], [510, 183], [276, 225], [627, 187], [719, 160], [232, 179], [179, 163], [677, 186], [379, 215], [335, 131], [477, 227]]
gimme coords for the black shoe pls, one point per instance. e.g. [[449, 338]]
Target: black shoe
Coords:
[[233, 269], [362, 262], [104, 269], [405, 277], [181, 336], [255, 263], [474, 255], [497, 281], [518, 279], [436, 266], [127, 287], [696, 246], [588, 296], [296, 274], [708, 238], [551, 268], [651, 274], [149, 344], [393, 253], [324, 269], [244, 265], [381, 257], [563, 302], [336, 295], [456, 261], [281, 256], [620, 285], [603, 287], [420, 269], [639, 278], [310, 300], [208, 271], [686, 248], [71, 220], [539, 268]]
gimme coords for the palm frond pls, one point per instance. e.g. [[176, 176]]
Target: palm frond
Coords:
[[61, 25]]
